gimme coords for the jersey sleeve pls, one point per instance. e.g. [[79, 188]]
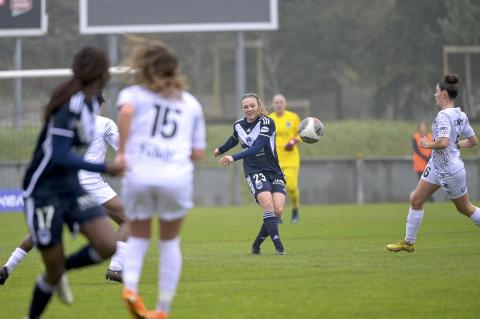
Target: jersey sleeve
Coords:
[[111, 135], [468, 130], [64, 122], [198, 133], [126, 96], [267, 127], [444, 125]]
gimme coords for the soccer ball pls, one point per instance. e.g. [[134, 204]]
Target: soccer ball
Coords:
[[311, 130]]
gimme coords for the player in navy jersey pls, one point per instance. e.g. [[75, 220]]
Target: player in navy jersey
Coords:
[[53, 195], [256, 134]]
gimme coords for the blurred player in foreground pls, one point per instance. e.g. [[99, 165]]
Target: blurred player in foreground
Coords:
[[286, 125], [162, 130], [106, 133], [256, 134], [52, 192], [451, 132]]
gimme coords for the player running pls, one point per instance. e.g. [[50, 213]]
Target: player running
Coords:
[[53, 195], [106, 133], [162, 129], [286, 124], [451, 132], [256, 134]]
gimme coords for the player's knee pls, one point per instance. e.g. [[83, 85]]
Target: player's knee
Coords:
[[415, 202], [106, 249], [278, 211]]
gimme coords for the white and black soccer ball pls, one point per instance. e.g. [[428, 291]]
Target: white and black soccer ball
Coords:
[[311, 130]]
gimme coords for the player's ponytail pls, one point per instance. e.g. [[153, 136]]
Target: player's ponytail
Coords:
[[157, 69], [450, 84], [89, 65]]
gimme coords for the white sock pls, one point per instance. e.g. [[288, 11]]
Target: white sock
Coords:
[[170, 267], [116, 263], [15, 258], [476, 216], [136, 248], [414, 220]]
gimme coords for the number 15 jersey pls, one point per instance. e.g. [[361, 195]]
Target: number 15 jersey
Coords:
[[162, 134]]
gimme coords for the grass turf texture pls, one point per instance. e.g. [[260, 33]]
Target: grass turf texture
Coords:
[[336, 267], [350, 138]]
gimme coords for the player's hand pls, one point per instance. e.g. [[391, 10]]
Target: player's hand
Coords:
[[116, 168], [216, 153], [291, 144], [423, 142], [226, 160]]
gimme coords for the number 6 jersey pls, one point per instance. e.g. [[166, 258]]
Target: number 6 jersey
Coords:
[[162, 135]]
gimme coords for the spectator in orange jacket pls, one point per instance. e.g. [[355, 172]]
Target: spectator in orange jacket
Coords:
[[420, 155]]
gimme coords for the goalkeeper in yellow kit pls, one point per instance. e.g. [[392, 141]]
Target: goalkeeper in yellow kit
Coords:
[[286, 124]]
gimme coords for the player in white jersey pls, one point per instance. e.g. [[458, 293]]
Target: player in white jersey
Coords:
[[106, 133], [451, 132], [162, 130]]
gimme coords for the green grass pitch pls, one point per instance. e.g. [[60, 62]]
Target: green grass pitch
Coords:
[[336, 267]]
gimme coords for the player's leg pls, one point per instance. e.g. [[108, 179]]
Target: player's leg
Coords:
[[291, 176], [265, 199], [54, 260], [15, 258], [115, 211], [456, 187], [427, 185]]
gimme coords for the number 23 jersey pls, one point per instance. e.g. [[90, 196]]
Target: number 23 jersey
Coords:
[[162, 135]]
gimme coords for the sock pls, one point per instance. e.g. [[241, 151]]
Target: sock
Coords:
[[15, 258], [476, 216], [42, 292], [86, 256], [414, 220], [116, 263], [271, 225], [262, 234], [135, 251], [170, 267]]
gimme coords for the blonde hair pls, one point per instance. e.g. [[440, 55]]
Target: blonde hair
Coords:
[[262, 108], [157, 69]]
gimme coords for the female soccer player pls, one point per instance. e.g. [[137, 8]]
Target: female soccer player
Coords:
[[52, 192], [162, 130], [451, 132], [256, 133], [106, 133], [286, 124]]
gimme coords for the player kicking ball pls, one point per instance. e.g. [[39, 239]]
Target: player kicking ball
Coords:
[[106, 133], [256, 134]]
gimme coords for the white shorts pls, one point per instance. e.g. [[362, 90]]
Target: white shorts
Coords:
[[100, 191], [147, 201], [454, 186]]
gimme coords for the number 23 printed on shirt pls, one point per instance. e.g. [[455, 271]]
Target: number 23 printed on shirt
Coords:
[[164, 122]]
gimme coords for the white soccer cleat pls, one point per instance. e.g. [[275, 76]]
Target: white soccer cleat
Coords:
[[63, 290]]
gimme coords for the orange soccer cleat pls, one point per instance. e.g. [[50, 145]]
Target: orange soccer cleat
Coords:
[[135, 304]]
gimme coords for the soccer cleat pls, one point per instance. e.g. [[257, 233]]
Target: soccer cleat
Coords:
[[113, 275], [3, 275], [295, 216], [401, 246], [135, 304], [63, 290], [157, 314]]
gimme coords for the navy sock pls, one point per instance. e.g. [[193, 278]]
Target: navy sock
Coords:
[[86, 256], [41, 296], [271, 225], [262, 234]]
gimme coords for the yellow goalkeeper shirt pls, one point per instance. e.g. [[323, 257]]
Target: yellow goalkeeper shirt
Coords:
[[286, 127]]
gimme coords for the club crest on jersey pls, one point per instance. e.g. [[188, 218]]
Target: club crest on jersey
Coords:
[[288, 125], [264, 129]]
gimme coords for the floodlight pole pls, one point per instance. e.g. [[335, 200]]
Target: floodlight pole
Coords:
[[240, 91], [17, 85]]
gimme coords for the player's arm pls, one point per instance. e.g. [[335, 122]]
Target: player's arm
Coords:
[[296, 139], [470, 139], [439, 144], [256, 147], [125, 117], [199, 143], [111, 135], [229, 144], [444, 130]]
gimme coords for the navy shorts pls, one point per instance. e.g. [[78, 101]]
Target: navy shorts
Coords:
[[263, 182], [46, 212]]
